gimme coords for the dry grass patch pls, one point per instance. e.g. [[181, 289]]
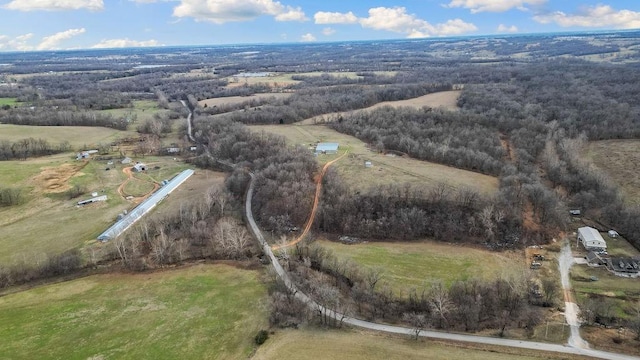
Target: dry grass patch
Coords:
[[443, 99], [619, 160], [233, 100], [77, 136], [386, 169], [362, 345], [407, 265]]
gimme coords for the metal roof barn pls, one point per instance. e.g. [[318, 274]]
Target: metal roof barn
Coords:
[[327, 148], [591, 238], [136, 214]]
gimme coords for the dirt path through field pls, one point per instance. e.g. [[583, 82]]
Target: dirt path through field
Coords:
[[316, 199], [129, 172]]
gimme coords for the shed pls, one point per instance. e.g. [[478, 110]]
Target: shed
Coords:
[[327, 148], [368, 164], [591, 239], [126, 160], [613, 234], [173, 150], [139, 167]]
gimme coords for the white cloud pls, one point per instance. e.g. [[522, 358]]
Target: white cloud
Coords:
[[594, 16], [54, 5], [322, 17], [328, 31], [18, 43], [51, 42], [505, 28], [477, 6], [308, 37], [222, 11], [292, 15], [397, 20], [121, 43]]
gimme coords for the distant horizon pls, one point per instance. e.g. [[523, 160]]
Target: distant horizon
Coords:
[[43, 25], [454, 37]]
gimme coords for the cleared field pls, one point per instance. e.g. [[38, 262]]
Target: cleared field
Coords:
[[359, 345], [409, 265], [142, 110], [78, 137], [386, 169], [7, 101], [198, 312], [232, 100], [618, 159], [443, 99], [49, 222], [274, 80]]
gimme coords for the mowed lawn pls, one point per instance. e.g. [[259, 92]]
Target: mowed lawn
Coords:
[[197, 312], [407, 265], [386, 169], [78, 136], [312, 344], [619, 160]]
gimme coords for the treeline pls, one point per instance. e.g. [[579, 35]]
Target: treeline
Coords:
[[402, 212], [284, 186], [317, 101], [470, 305], [453, 138], [26, 271], [52, 117], [204, 229], [30, 147]]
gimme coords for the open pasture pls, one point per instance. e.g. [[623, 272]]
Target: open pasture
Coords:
[[443, 99], [142, 110], [49, 222], [419, 264], [8, 101], [233, 100], [362, 345], [196, 312], [386, 169], [79, 137], [618, 160]]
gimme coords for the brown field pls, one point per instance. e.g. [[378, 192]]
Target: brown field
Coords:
[[232, 100], [386, 169], [443, 99], [619, 160], [77, 136], [362, 345]]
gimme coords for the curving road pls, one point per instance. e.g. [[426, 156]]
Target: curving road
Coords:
[[530, 345]]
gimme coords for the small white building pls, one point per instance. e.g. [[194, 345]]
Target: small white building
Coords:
[[613, 234], [591, 239], [126, 160], [139, 167], [326, 148], [368, 164]]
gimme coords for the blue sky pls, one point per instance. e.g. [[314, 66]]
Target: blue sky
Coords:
[[69, 24]]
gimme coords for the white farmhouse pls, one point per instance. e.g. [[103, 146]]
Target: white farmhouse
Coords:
[[591, 239]]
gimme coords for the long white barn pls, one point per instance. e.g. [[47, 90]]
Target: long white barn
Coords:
[[136, 214]]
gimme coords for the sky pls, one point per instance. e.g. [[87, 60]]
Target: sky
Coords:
[[31, 25]]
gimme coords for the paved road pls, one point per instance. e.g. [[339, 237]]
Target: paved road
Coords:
[[530, 345]]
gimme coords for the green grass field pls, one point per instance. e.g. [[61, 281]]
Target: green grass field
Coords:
[[360, 345], [84, 137], [198, 312], [386, 169], [8, 101], [142, 110], [409, 265]]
